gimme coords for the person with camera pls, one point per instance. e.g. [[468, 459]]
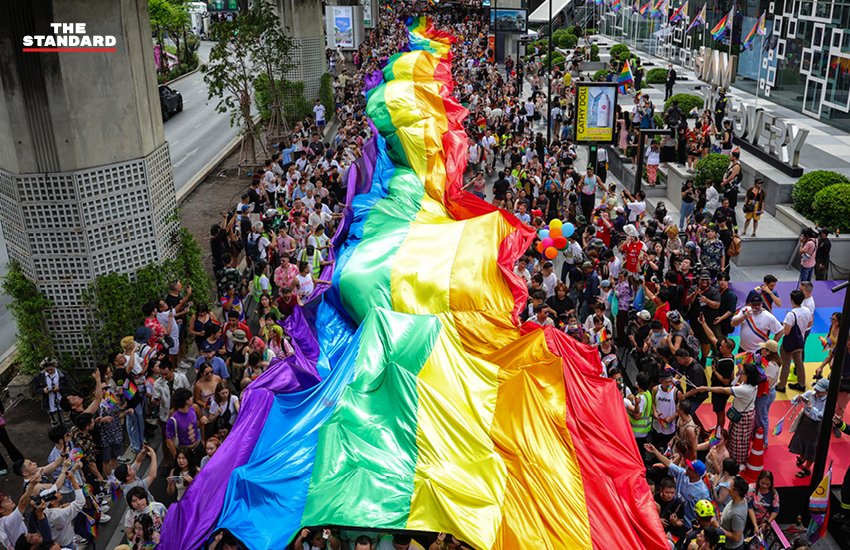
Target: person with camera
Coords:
[[61, 516], [51, 384], [808, 251]]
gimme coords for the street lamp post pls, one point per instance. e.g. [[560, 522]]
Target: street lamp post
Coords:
[[549, 73]]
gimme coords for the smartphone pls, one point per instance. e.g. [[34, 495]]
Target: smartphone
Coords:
[[174, 479]]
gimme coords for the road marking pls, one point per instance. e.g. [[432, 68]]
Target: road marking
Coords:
[[173, 143], [185, 157], [197, 125], [200, 91], [196, 82]]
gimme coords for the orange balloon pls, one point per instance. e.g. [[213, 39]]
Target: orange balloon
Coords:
[[555, 232], [540, 247], [551, 252]]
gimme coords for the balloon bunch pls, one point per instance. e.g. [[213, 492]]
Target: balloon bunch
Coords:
[[554, 238]]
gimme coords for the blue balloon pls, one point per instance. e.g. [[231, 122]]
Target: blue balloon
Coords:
[[544, 233], [568, 229]]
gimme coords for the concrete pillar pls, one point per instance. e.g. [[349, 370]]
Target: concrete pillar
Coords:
[[85, 174], [302, 21]]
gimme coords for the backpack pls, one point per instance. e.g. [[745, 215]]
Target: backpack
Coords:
[[252, 248], [734, 246], [693, 345]]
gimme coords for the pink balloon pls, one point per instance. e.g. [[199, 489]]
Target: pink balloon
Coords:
[[548, 241]]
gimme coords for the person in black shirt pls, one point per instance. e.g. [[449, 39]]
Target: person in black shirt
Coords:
[[725, 210], [723, 370], [725, 235], [500, 188], [728, 305], [317, 146], [256, 194], [675, 291], [822, 255], [682, 137], [219, 240], [671, 510], [704, 299]]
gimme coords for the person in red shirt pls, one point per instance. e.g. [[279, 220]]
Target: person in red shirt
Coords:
[[233, 323], [632, 249], [603, 227], [287, 301]]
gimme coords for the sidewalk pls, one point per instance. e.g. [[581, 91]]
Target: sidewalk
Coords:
[[826, 147]]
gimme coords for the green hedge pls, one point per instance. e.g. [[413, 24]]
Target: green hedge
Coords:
[[808, 186], [564, 40], [594, 52], [557, 59], [621, 51], [600, 75], [656, 76], [686, 103], [178, 70], [29, 309], [832, 207], [712, 167]]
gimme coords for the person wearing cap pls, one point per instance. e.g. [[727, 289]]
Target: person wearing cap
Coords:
[[822, 255], [632, 250], [690, 487], [128, 474], [235, 323], [51, 383], [706, 514], [756, 325], [754, 205], [804, 443]]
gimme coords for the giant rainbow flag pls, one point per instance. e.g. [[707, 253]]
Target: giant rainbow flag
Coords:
[[415, 401]]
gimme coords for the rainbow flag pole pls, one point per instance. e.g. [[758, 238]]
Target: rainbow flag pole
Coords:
[[758, 29], [680, 13], [698, 20], [720, 30]]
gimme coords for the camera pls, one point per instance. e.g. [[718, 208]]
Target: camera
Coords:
[[45, 496]]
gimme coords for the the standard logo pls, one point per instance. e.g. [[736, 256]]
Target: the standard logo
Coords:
[[69, 37]]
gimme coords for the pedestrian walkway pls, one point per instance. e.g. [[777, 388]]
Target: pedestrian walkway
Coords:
[[825, 149]]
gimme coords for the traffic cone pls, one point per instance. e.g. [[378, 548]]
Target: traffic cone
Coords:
[[755, 462]]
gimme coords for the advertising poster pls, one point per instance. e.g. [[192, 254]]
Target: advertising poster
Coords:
[[343, 26], [595, 112], [223, 5], [509, 21], [367, 13]]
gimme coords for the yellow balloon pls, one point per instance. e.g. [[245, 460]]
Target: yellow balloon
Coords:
[[555, 223]]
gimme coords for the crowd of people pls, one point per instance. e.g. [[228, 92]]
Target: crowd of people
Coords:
[[650, 293]]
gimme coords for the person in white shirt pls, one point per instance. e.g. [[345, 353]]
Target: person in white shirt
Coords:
[[319, 110], [796, 322], [12, 524], [521, 270], [61, 516], [809, 303], [262, 242], [550, 280], [754, 316], [488, 143], [599, 309]]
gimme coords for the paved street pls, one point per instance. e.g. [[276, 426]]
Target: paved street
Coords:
[[197, 134]]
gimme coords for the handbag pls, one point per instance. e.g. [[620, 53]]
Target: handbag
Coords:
[[749, 207], [796, 423], [794, 339], [734, 415]]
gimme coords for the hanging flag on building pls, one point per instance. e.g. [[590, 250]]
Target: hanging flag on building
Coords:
[[719, 31], [758, 29], [698, 20], [681, 13], [616, 5], [644, 11], [660, 9]]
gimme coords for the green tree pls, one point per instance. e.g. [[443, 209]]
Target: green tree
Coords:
[[29, 309], [271, 53], [175, 24], [160, 13]]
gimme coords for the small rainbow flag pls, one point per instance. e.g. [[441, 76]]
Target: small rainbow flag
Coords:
[[644, 10], [603, 336], [758, 29], [736, 150], [720, 30], [714, 440], [130, 389], [827, 343], [698, 20], [616, 5], [390, 9], [625, 78], [680, 13], [778, 429], [695, 111], [91, 524], [111, 400], [76, 453], [115, 489]]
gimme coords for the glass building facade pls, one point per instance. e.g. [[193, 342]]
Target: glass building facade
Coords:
[[803, 62]]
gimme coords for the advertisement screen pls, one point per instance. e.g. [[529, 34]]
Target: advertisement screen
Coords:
[[223, 5], [509, 21], [343, 27], [595, 112]]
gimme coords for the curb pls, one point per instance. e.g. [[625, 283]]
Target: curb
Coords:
[[201, 63]]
